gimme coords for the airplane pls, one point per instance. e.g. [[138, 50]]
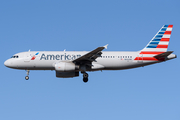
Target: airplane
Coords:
[[68, 64]]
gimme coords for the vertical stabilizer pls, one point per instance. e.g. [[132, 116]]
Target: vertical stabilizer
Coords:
[[157, 46], [160, 41]]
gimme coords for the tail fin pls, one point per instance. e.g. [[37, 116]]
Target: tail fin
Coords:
[[159, 42]]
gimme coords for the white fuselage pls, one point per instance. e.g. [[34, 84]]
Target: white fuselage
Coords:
[[46, 60]]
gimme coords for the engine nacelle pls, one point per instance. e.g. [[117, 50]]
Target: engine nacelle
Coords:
[[65, 66], [67, 74]]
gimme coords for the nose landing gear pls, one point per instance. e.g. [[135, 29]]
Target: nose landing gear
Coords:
[[27, 77]]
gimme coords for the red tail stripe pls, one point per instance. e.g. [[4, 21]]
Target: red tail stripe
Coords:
[[162, 46], [170, 26], [167, 32], [145, 52], [146, 58], [165, 39]]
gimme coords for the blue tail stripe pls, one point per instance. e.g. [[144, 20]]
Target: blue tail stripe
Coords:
[[156, 43], [163, 29], [161, 32], [156, 40], [159, 35], [151, 46]]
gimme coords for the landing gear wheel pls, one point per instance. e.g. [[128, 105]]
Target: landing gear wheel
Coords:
[[27, 77], [85, 80], [85, 77]]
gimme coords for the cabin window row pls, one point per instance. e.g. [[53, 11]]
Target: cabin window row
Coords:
[[117, 57], [14, 56]]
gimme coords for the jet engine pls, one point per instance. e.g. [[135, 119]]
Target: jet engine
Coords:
[[66, 70], [65, 66]]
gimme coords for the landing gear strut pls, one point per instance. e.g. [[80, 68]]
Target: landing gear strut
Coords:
[[27, 77], [85, 77]]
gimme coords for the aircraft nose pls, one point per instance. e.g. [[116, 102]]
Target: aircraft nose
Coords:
[[7, 63]]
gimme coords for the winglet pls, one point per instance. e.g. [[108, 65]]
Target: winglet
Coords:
[[105, 46]]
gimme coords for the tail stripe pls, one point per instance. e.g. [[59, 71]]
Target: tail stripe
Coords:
[[154, 43], [163, 43], [151, 52], [168, 32], [165, 39], [162, 46], [169, 29]]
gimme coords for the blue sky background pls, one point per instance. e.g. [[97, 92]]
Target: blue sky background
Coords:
[[148, 93]]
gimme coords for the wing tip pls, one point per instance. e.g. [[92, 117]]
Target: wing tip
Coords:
[[105, 46]]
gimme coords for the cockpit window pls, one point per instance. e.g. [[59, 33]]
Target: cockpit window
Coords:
[[15, 56]]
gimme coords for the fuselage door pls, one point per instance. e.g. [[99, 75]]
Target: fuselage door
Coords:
[[27, 57]]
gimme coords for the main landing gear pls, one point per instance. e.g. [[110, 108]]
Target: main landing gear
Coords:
[[27, 77], [85, 77]]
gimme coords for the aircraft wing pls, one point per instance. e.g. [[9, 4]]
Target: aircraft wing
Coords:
[[91, 56]]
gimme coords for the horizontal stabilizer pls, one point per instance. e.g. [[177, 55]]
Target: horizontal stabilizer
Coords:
[[162, 56]]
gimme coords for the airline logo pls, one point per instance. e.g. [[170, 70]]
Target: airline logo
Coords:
[[34, 56], [157, 45], [59, 56]]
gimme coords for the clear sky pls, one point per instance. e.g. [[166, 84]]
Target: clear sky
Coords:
[[147, 93]]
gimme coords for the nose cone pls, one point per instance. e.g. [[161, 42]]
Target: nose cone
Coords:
[[7, 63]]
